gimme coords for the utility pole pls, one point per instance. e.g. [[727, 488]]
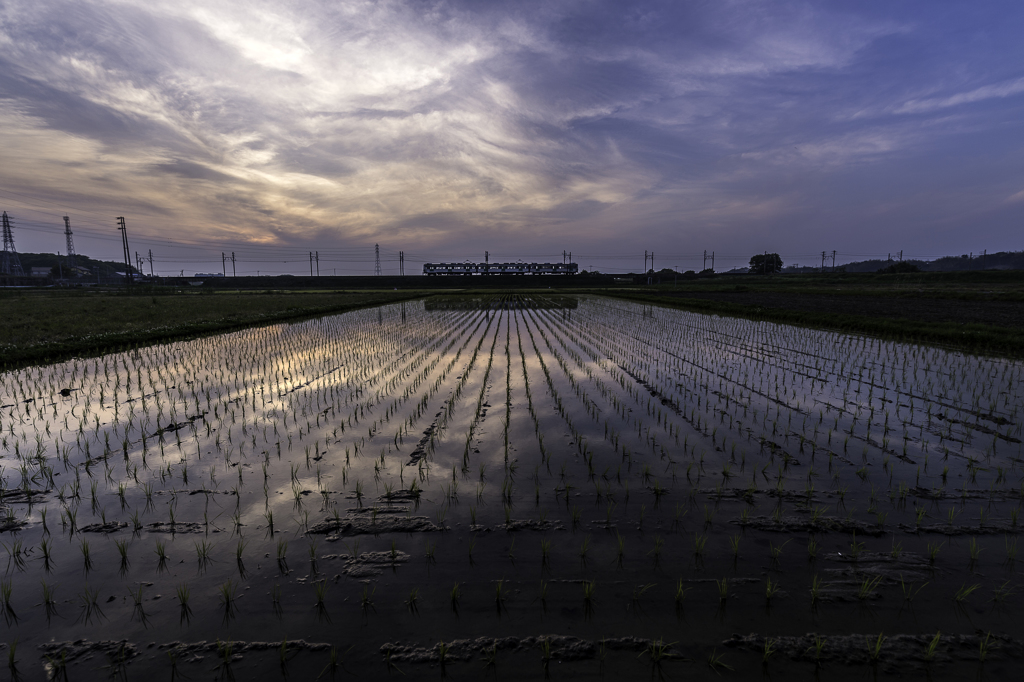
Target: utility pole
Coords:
[[233, 273], [139, 260], [316, 257], [823, 261], [127, 252], [71, 245], [833, 260], [376, 252], [401, 263], [901, 255], [310, 263], [224, 263], [11, 264], [151, 262], [705, 260], [645, 261], [712, 261]]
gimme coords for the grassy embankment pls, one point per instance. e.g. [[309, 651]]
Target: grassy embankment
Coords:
[[975, 312], [47, 326]]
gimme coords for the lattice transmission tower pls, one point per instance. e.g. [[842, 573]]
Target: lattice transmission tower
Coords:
[[376, 251], [71, 246], [11, 264]]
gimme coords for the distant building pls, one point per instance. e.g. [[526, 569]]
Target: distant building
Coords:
[[39, 272], [209, 274]]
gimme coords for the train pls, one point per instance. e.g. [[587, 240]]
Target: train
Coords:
[[432, 269]]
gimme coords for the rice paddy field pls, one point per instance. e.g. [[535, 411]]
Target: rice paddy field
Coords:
[[517, 486]]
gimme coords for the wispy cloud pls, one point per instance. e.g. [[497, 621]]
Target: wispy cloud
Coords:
[[985, 92]]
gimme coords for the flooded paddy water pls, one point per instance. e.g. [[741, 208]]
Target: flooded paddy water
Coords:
[[517, 486]]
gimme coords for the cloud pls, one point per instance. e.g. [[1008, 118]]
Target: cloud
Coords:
[[291, 123], [985, 92]]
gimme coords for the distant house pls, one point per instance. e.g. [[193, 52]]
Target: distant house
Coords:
[[39, 272]]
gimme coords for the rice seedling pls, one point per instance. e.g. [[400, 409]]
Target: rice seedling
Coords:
[[584, 549], [817, 648], [768, 650], [965, 591], [776, 552], [226, 653], [57, 666], [86, 558], [868, 587], [589, 587], [203, 550], [46, 548], [910, 591], [366, 599], [723, 589], [656, 552], [90, 606], [974, 550], [657, 651], [680, 593], [984, 647], [183, 592], [122, 550], [49, 599], [12, 659], [715, 661], [320, 589], [1002, 593], [454, 596], [856, 548], [734, 543], [6, 592], [932, 648], [500, 595], [699, 543], [313, 547], [771, 589], [875, 648]]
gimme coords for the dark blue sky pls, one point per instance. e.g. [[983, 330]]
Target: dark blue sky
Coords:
[[444, 129]]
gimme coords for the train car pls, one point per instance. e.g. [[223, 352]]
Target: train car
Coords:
[[433, 269]]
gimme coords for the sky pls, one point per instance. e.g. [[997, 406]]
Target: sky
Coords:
[[524, 129]]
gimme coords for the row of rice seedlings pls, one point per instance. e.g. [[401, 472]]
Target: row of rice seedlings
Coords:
[[563, 358]]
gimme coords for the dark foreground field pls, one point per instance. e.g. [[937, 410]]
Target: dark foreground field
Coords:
[[977, 312], [981, 312], [514, 487], [47, 325]]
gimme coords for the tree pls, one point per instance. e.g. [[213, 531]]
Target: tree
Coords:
[[765, 264], [900, 267]]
